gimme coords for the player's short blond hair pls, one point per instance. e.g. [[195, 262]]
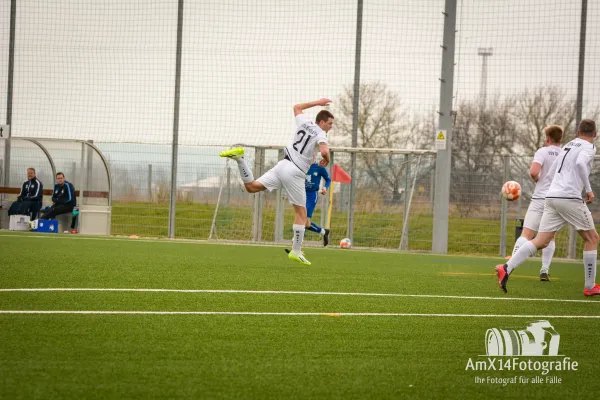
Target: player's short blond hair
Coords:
[[555, 133]]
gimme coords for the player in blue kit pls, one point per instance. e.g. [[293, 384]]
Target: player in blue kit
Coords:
[[313, 182]]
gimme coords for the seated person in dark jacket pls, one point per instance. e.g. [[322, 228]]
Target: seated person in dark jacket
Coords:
[[29, 201], [63, 199]]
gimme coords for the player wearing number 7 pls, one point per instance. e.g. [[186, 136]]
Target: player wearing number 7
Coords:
[[564, 204], [290, 172]]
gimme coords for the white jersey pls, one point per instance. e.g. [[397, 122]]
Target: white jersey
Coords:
[[305, 143], [545, 157], [571, 170]]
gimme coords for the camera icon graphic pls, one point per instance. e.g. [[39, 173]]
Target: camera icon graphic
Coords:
[[539, 338]]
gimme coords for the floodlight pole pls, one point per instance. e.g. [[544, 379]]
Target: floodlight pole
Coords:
[[175, 144], [9, 90], [484, 52], [443, 157]]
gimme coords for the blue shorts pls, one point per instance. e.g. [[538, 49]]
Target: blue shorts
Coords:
[[311, 202]]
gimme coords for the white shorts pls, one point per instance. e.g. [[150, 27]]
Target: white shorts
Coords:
[[558, 212], [287, 175], [534, 215]]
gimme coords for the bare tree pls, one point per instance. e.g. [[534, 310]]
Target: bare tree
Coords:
[[382, 123], [535, 109], [481, 136]]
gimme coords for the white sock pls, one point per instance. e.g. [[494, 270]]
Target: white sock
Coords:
[[547, 254], [589, 263], [322, 231], [298, 238], [525, 251], [520, 241], [245, 171]]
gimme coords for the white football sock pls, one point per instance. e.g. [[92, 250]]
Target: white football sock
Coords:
[[525, 251], [245, 171], [519, 243], [547, 254], [298, 238], [589, 263], [322, 231]]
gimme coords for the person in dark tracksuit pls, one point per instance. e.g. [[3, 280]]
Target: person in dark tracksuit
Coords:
[[63, 199], [29, 201], [313, 187]]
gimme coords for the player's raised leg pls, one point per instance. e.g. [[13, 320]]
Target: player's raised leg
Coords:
[[237, 154]]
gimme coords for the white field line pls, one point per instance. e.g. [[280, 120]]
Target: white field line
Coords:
[[294, 314], [286, 292], [253, 244]]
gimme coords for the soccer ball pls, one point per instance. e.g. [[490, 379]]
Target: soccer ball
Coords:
[[511, 190], [345, 243]]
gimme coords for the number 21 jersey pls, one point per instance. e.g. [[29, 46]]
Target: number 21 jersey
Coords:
[[305, 142]]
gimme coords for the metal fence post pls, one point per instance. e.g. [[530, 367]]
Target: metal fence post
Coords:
[[325, 211], [9, 89], [572, 244], [432, 188], [355, 103], [74, 172], [279, 209], [228, 184], [504, 211], [404, 240], [520, 199], [150, 183], [443, 157], [407, 161], [175, 141], [257, 213]]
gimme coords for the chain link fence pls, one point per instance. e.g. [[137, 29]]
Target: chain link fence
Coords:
[[106, 71]]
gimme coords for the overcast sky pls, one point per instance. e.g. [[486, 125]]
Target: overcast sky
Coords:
[[104, 70]]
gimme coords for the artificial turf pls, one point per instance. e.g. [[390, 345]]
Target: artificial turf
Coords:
[[323, 354]]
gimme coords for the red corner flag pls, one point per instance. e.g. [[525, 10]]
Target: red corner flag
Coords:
[[339, 175]]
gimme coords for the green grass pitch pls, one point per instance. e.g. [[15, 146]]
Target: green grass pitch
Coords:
[[323, 341]]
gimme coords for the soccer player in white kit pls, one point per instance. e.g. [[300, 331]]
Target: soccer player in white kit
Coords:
[[290, 172], [564, 204], [542, 162]]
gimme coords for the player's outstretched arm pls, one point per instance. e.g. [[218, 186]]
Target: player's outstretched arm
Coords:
[[324, 149], [298, 108], [325, 176]]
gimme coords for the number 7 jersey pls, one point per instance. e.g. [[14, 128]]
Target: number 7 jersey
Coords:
[[305, 142], [568, 179]]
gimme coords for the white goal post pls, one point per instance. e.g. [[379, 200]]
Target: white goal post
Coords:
[[405, 167]]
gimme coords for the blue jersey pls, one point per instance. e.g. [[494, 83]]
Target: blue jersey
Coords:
[[313, 178]]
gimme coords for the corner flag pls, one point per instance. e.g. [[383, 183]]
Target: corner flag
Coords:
[[339, 175]]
